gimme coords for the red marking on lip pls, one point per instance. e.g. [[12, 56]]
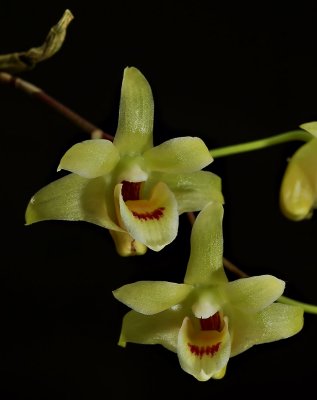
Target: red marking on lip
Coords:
[[201, 351], [212, 323], [155, 214], [130, 190]]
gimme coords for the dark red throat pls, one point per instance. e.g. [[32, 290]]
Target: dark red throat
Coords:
[[212, 323], [131, 190]]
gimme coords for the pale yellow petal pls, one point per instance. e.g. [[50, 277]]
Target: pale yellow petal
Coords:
[[183, 154], [149, 297], [255, 293], [310, 127], [91, 158]]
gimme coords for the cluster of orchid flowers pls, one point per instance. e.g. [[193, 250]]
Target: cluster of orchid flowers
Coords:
[[137, 192]]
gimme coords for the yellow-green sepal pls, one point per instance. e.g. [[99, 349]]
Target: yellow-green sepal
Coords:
[[73, 198], [134, 133], [159, 328], [278, 321], [205, 264]]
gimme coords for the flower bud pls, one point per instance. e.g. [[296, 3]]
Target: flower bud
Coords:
[[298, 194]]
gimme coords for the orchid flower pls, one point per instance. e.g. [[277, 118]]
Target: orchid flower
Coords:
[[207, 319], [135, 190], [298, 194]]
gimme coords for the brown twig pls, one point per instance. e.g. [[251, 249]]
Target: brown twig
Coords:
[[233, 268], [38, 93]]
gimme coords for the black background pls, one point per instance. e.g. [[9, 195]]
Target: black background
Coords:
[[223, 73]]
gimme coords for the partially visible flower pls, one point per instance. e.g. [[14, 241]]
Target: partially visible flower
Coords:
[[206, 320], [135, 190], [298, 194]]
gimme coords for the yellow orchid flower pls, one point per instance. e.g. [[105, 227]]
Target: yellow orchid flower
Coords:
[[135, 190], [206, 320], [298, 194]]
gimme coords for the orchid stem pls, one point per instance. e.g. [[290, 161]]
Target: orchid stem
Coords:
[[297, 134], [308, 308], [38, 93]]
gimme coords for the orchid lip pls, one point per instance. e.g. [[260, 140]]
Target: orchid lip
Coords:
[[209, 337], [131, 192]]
